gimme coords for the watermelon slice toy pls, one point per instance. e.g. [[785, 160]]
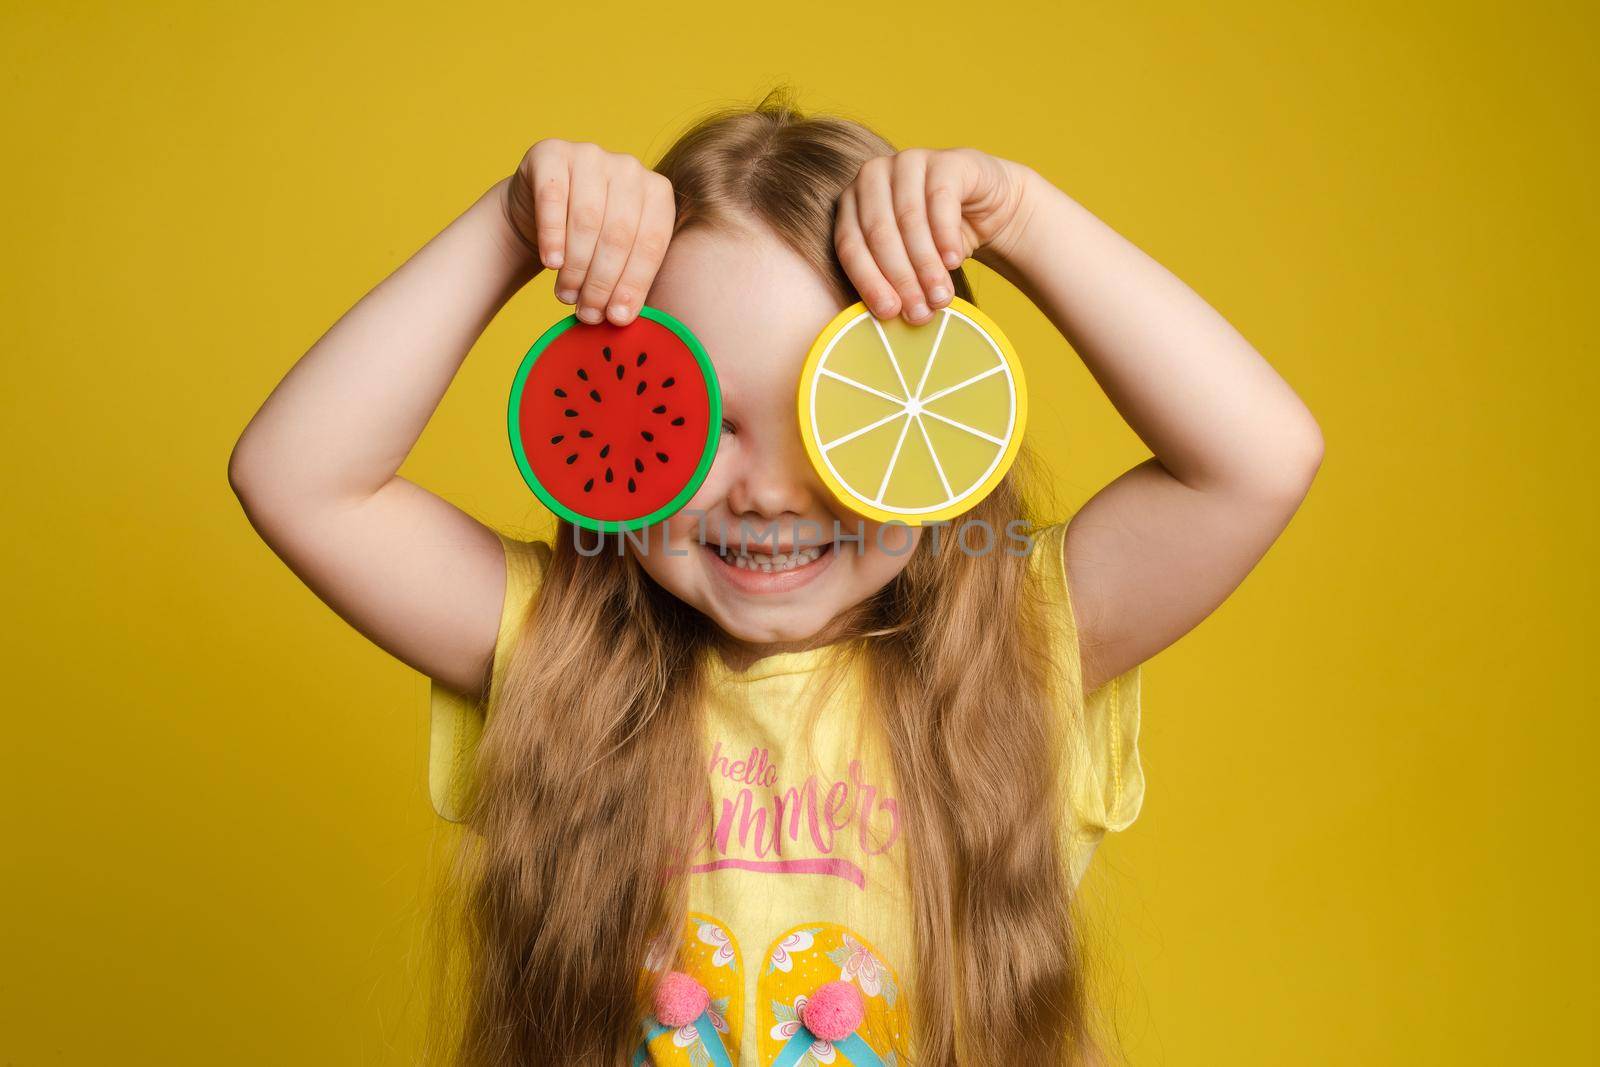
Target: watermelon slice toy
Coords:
[[615, 427]]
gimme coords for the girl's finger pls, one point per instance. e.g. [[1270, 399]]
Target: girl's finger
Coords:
[[549, 175], [875, 204], [649, 248], [911, 210], [857, 261], [586, 210], [944, 209], [624, 203]]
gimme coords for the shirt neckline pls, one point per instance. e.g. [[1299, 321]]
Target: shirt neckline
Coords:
[[771, 666]]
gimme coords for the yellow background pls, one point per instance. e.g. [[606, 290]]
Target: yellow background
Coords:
[[1367, 834]]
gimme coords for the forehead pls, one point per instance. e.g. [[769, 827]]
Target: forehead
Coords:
[[752, 300]]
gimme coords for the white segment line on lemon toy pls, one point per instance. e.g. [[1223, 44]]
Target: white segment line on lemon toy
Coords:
[[922, 380], [944, 320], [888, 348], [937, 466], [970, 429], [895, 458], [861, 385], [963, 384], [853, 434]]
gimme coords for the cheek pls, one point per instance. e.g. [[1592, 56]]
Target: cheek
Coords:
[[696, 518], [894, 541], [884, 552], [684, 530], [667, 550]]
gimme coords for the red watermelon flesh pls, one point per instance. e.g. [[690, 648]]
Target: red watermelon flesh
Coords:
[[614, 419]]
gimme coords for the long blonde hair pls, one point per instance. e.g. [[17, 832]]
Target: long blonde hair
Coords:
[[569, 868]]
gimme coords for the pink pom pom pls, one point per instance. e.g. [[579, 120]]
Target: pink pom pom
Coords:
[[680, 999], [834, 1011]]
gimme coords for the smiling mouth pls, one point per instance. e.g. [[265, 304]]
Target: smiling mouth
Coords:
[[770, 563]]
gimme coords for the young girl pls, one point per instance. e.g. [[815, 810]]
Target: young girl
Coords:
[[822, 803]]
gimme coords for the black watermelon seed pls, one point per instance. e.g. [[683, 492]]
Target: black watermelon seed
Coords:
[[660, 409], [585, 433], [668, 383], [619, 372], [606, 351], [606, 451], [588, 485], [678, 421], [630, 485], [662, 456], [572, 458], [639, 390], [583, 374], [594, 394], [640, 361], [638, 465], [558, 438], [647, 435], [608, 474], [569, 413], [561, 392]]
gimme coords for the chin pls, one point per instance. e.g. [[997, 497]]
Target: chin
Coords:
[[768, 632]]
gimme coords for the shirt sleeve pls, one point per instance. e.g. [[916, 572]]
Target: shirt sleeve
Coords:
[[1106, 782], [457, 719]]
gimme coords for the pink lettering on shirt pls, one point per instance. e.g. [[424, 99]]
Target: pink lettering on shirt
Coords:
[[793, 830]]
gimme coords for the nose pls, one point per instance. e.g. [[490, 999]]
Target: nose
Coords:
[[772, 476]]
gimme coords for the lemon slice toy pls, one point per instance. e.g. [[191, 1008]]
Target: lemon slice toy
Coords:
[[912, 424]]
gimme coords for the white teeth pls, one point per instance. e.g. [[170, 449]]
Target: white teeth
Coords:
[[760, 561]]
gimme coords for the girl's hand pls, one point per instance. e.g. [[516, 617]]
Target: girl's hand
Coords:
[[909, 219], [602, 218]]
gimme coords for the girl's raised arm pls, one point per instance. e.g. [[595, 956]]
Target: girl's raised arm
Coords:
[[316, 467], [1159, 548], [1163, 545]]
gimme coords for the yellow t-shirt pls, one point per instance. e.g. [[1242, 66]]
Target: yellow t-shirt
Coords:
[[800, 877]]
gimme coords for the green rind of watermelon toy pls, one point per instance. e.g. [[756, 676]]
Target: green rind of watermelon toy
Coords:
[[615, 427]]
